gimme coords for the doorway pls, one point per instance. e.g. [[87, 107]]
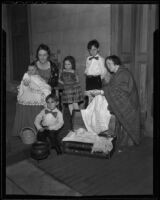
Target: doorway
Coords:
[[132, 31], [18, 21]]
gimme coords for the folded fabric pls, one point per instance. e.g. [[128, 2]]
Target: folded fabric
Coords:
[[97, 116]]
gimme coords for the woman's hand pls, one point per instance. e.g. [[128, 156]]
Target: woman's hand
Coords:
[[110, 109], [107, 77], [60, 81]]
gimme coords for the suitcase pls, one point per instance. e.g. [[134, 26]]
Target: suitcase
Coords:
[[85, 149]]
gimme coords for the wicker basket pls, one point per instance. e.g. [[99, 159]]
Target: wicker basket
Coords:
[[28, 135]]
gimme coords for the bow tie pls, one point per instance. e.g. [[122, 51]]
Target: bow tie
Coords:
[[93, 57], [53, 113]]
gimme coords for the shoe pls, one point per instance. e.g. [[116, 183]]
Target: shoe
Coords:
[[58, 150]]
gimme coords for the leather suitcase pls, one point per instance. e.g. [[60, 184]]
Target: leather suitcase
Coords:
[[85, 149]]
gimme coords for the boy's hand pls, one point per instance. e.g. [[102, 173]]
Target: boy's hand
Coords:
[[46, 128], [41, 130]]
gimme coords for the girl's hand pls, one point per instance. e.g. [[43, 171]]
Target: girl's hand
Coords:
[[41, 130], [60, 81]]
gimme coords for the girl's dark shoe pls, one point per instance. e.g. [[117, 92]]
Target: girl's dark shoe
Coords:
[[58, 150]]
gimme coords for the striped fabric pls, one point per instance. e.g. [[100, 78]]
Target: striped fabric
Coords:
[[72, 92]]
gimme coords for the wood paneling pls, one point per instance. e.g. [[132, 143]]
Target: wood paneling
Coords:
[[126, 33], [143, 28], [141, 56], [132, 40], [122, 32], [20, 40], [142, 87]]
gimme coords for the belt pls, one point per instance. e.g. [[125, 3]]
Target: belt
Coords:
[[91, 76]]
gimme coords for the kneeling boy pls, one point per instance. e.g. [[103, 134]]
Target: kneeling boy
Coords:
[[49, 121]]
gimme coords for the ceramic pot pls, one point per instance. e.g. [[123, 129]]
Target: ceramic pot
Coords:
[[40, 150]]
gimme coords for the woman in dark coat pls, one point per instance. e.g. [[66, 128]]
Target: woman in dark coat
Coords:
[[122, 96]]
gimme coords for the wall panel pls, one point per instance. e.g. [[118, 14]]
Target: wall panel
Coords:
[[69, 27]]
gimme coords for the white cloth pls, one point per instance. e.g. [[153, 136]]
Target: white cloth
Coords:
[[95, 67], [94, 92], [80, 135], [33, 90], [97, 116]]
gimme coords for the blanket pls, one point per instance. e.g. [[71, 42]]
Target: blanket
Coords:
[[122, 96], [33, 90]]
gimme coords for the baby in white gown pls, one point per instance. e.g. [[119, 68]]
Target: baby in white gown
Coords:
[[33, 89]]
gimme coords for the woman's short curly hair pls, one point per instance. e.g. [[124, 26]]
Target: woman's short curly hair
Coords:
[[43, 47], [116, 60]]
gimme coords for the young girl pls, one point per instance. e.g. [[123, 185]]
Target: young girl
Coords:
[[72, 93]]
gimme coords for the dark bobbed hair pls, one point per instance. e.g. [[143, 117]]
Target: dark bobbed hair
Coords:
[[72, 60], [116, 60], [94, 43], [43, 47], [52, 96], [33, 63]]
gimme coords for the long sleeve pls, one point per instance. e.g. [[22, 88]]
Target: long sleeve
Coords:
[[125, 81], [53, 80], [77, 78], [38, 120], [61, 77], [87, 66], [59, 120], [103, 68]]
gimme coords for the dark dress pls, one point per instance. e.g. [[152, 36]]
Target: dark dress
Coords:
[[122, 96], [72, 92], [50, 75]]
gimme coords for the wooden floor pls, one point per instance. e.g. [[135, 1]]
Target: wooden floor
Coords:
[[127, 173]]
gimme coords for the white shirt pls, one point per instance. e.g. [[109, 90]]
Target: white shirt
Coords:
[[54, 123], [95, 67]]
